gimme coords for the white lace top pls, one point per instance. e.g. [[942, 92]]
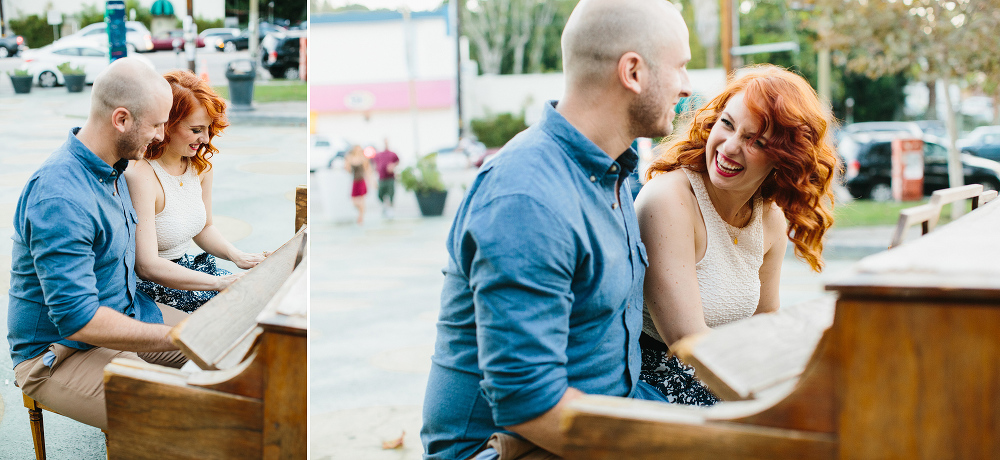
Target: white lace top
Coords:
[[183, 215], [728, 274]]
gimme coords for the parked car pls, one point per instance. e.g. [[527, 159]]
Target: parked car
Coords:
[[885, 126], [868, 160], [983, 141], [43, 63], [324, 151], [137, 36], [933, 127], [11, 45], [214, 38], [170, 39], [280, 54], [242, 41]]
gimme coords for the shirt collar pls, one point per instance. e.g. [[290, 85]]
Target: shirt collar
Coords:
[[103, 171], [590, 157]]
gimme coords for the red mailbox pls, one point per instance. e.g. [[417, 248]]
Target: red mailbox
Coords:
[[908, 169]]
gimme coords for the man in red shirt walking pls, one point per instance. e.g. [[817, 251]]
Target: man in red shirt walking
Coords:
[[385, 163]]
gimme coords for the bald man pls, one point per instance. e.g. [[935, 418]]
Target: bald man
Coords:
[[542, 299], [73, 303]]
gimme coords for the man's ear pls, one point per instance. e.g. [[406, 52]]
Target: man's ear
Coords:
[[629, 71], [120, 117]]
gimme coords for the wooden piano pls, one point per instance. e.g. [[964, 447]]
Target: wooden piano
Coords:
[[248, 400], [906, 364]]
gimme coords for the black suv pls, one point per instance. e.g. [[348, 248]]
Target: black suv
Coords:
[[11, 45], [868, 165], [279, 54]]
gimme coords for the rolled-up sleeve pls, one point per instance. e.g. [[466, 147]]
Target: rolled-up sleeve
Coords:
[[64, 261], [520, 261]]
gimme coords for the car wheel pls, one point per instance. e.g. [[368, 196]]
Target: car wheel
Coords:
[[881, 192], [230, 47], [130, 48], [4, 52], [292, 73], [47, 79]]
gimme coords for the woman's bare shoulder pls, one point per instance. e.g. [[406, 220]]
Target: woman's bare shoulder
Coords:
[[666, 190]]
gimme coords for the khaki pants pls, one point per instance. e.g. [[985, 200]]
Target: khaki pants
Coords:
[[74, 385], [509, 447]]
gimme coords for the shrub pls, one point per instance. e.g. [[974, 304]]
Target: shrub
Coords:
[[68, 69], [423, 178], [34, 28], [495, 131]]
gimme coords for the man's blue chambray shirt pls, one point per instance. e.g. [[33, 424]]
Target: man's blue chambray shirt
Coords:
[[74, 251], [542, 291]]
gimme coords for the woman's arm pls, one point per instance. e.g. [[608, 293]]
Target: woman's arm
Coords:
[[668, 223], [143, 187], [775, 242], [210, 239]]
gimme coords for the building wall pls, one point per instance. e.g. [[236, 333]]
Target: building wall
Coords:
[[207, 9], [362, 93], [491, 94]]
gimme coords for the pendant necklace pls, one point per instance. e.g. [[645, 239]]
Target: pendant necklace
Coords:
[[733, 230]]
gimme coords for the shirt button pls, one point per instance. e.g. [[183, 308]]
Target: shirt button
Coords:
[[593, 179], [614, 205], [100, 180], [614, 168]]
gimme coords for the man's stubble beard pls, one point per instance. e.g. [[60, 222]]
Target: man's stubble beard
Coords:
[[130, 144], [647, 111]]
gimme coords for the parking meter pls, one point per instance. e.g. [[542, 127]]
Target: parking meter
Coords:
[[907, 178], [114, 16]]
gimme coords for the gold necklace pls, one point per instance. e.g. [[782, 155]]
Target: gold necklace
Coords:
[[738, 230]]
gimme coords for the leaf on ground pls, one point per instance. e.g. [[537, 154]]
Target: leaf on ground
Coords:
[[395, 443]]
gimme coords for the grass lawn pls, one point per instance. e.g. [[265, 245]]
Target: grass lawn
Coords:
[[280, 91], [866, 213]]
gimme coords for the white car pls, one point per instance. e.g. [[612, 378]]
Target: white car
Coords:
[[215, 37], [137, 36], [43, 63]]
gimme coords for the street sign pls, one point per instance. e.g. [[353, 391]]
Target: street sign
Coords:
[[114, 16]]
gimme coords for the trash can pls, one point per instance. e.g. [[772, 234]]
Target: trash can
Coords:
[[241, 74]]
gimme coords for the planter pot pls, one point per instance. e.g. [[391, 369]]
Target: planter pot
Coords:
[[431, 203], [22, 83], [74, 83]]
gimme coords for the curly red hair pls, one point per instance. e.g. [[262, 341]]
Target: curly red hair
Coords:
[[189, 91], [805, 160]]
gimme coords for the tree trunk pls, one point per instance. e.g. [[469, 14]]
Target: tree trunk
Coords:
[[955, 176], [487, 29], [931, 112], [521, 12], [543, 18]]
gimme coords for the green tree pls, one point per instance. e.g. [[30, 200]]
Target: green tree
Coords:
[[937, 39]]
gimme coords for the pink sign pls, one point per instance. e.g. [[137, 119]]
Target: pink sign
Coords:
[[362, 97]]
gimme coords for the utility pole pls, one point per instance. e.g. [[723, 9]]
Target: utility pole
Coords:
[[725, 22], [190, 36], [458, 65], [254, 27], [3, 22]]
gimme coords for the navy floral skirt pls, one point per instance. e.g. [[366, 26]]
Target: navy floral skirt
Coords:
[[188, 301], [671, 377]]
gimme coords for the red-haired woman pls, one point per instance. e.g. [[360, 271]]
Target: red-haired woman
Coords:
[[754, 170], [172, 194]]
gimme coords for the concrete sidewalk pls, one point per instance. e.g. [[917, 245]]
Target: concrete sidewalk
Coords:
[[259, 164], [375, 293]]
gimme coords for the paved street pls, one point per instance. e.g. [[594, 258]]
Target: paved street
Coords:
[[375, 300], [256, 172]]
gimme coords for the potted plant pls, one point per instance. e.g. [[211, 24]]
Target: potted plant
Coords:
[[424, 180], [21, 80], [74, 77]]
